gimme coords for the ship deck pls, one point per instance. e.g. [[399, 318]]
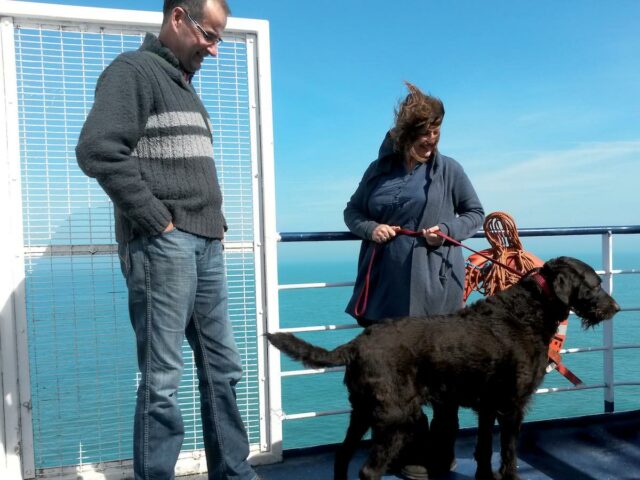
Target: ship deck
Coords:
[[598, 447]]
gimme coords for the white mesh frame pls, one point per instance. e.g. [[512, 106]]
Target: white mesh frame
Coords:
[[67, 241]]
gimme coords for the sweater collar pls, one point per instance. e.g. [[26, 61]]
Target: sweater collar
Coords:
[[152, 44]]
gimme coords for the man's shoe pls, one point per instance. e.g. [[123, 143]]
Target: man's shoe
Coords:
[[414, 472]]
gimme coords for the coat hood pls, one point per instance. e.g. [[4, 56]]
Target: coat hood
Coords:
[[387, 147]]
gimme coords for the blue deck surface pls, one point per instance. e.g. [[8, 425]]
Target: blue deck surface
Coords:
[[600, 447]]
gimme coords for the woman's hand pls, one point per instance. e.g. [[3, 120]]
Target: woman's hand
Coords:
[[383, 233], [433, 240]]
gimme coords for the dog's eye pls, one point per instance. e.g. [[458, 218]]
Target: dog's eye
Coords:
[[589, 292]]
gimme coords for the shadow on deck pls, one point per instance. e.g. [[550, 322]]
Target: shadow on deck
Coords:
[[599, 447]]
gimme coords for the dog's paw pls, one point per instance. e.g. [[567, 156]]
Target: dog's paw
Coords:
[[508, 473], [508, 476], [368, 473]]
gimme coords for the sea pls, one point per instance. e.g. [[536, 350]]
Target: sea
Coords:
[[325, 392]]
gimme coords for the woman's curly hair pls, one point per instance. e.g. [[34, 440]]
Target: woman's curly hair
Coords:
[[412, 114]]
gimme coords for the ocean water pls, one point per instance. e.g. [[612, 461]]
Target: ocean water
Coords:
[[325, 392]]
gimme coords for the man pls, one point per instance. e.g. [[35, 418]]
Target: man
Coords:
[[147, 140]]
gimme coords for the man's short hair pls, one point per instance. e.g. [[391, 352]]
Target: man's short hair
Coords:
[[194, 7]]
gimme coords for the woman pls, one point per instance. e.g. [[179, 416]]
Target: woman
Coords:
[[412, 186]]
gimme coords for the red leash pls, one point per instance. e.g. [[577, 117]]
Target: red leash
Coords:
[[539, 279], [363, 297], [361, 303], [459, 244]]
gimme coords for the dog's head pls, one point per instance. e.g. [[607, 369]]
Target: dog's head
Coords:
[[577, 285]]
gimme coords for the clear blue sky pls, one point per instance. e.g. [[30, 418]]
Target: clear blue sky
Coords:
[[542, 100]]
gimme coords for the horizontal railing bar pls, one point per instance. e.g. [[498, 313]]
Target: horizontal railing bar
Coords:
[[627, 384], [570, 231], [315, 236], [299, 286], [568, 351], [315, 371], [626, 347], [311, 371], [296, 286], [319, 328], [586, 387], [298, 416], [619, 271], [524, 232], [104, 249], [540, 391], [63, 250], [297, 237], [568, 389], [347, 326]]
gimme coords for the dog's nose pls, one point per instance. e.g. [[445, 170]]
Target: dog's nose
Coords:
[[616, 306]]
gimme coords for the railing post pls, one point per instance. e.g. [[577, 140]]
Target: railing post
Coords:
[[16, 434], [271, 417], [607, 333]]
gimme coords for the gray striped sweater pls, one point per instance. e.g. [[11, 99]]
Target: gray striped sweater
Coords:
[[147, 141]]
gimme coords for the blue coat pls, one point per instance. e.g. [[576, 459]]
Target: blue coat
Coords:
[[437, 273]]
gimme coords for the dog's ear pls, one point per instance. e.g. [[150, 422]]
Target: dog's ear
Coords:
[[562, 286], [557, 271]]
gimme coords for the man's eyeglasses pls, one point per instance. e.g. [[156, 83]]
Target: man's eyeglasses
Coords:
[[210, 37]]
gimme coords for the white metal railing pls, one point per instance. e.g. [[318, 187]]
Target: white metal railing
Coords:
[[607, 273]]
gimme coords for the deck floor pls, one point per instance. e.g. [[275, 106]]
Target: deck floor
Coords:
[[601, 447]]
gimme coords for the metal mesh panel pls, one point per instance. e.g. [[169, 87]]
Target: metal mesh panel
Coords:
[[223, 87], [81, 345]]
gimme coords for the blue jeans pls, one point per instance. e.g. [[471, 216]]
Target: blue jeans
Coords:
[[177, 287]]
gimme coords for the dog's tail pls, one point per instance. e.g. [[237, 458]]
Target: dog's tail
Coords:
[[310, 355]]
